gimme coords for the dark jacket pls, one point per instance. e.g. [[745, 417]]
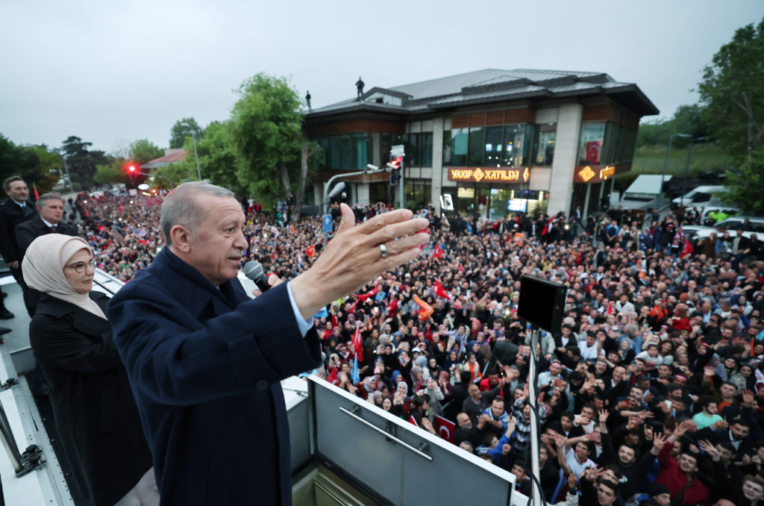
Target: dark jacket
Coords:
[[34, 228], [95, 414], [205, 366], [11, 216]]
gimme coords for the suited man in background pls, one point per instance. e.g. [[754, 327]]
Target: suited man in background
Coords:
[[13, 212], [50, 209]]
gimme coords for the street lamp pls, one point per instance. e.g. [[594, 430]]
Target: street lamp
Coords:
[[687, 168], [193, 138], [328, 195], [665, 165]]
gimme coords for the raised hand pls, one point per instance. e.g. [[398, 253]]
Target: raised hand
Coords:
[[659, 440], [604, 414], [710, 449]]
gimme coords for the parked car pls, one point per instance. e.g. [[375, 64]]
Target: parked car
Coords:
[[701, 196]]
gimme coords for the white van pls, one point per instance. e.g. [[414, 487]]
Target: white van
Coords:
[[701, 196]]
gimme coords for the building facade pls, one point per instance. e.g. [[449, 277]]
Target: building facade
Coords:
[[493, 141]]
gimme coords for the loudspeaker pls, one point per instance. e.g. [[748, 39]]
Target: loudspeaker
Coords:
[[542, 303]]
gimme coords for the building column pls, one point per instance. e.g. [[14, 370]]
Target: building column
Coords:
[[437, 163], [376, 146], [585, 214], [565, 157]]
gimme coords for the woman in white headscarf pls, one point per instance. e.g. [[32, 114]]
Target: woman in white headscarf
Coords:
[[95, 414]]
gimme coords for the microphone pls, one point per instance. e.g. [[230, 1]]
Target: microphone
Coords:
[[254, 271]]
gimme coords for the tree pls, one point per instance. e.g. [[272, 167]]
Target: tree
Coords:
[[217, 156], [81, 161], [141, 151], [18, 161], [180, 131], [688, 119], [744, 185], [266, 128], [733, 92], [111, 173]]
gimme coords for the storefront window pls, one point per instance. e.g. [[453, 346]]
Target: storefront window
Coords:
[[477, 146], [379, 192], [417, 194], [425, 146], [590, 144], [459, 144], [494, 145], [543, 145], [515, 145], [412, 150], [447, 147]]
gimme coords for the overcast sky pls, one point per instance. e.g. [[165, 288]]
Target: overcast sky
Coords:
[[113, 72]]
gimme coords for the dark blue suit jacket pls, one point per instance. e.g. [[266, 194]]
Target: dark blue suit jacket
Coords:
[[205, 365]]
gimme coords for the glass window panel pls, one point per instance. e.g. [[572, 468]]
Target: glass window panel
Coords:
[[459, 144], [426, 149], [323, 157], [386, 142], [412, 151], [512, 133], [335, 151], [346, 144], [447, 147], [543, 144], [476, 146], [590, 144], [494, 145]]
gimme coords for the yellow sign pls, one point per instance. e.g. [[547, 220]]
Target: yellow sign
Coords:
[[607, 172], [587, 173], [478, 174]]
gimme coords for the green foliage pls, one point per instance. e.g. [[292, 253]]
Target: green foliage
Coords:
[[267, 136], [76, 187], [143, 150], [183, 128], [706, 157], [745, 184], [173, 174], [111, 173], [733, 93], [686, 120], [81, 161], [19, 161], [217, 156]]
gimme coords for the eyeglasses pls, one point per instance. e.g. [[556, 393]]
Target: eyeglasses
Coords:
[[80, 266]]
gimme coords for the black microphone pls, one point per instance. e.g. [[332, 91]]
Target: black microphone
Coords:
[[254, 271]]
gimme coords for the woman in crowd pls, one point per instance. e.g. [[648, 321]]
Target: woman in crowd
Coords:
[[96, 417]]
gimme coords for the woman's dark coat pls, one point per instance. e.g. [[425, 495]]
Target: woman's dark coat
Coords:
[[95, 414]]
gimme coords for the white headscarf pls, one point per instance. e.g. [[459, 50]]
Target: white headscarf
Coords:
[[43, 269]]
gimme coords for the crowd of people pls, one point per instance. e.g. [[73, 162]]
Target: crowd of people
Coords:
[[650, 391]]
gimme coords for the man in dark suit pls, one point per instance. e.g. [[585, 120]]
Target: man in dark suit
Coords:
[[13, 212], [205, 361], [50, 209]]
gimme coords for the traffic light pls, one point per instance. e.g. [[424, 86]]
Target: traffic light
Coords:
[[396, 164]]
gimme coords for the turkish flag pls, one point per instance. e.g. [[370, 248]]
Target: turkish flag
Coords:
[[445, 428], [311, 251], [437, 252], [412, 420], [440, 291], [593, 150], [687, 249], [393, 306]]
